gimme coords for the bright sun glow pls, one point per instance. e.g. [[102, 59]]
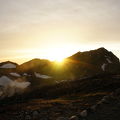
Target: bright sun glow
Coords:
[[59, 61], [57, 54], [57, 58]]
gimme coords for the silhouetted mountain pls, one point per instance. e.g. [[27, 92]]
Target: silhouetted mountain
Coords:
[[96, 57], [34, 65], [81, 64], [41, 73], [7, 67], [95, 62]]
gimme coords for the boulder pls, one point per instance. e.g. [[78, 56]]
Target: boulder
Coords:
[[28, 117], [35, 114], [83, 113], [74, 118]]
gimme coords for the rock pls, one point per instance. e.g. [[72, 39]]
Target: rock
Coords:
[[27, 112], [22, 112], [62, 118], [28, 117], [83, 113], [74, 118], [105, 99], [35, 114], [93, 108], [99, 103], [19, 117]]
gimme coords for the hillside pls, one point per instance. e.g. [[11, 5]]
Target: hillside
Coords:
[[93, 101], [79, 65], [50, 90], [41, 73]]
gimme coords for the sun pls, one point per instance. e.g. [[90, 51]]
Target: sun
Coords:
[[59, 60], [55, 54]]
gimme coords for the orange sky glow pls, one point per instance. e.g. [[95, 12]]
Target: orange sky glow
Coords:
[[56, 29]]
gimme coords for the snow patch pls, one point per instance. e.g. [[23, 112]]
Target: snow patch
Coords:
[[25, 74], [8, 65], [38, 75], [15, 74], [103, 66], [109, 61]]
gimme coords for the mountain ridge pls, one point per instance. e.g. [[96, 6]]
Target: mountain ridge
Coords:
[[78, 84], [79, 64]]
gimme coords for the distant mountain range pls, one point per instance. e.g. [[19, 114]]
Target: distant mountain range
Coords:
[[38, 73], [78, 65], [81, 64]]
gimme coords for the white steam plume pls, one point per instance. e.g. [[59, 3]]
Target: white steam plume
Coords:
[[10, 87]]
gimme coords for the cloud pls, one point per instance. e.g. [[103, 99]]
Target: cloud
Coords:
[[25, 21]]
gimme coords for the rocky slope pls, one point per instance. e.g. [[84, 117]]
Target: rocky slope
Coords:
[[95, 62], [94, 106], [46, 75], [86, 86]]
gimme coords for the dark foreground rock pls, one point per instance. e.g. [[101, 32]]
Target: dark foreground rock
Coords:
[[107, 107]]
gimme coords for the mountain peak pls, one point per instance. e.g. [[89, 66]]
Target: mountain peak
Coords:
[[102, 49], [100, 58], [8, 64]]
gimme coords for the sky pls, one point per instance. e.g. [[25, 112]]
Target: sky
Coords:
[[54, 29]]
